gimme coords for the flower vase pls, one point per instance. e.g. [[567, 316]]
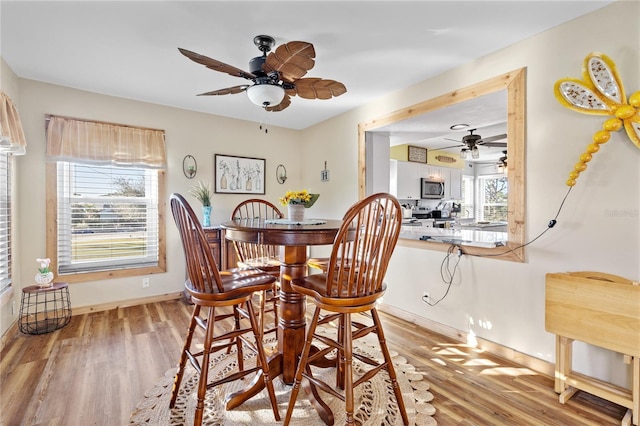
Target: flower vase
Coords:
[[44, 279], [296, 212], [206, 216]]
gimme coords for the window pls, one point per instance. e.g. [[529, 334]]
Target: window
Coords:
[[104, 194], [467, 204], [5, 222], [12, 142], [107, 217], [492, 198]]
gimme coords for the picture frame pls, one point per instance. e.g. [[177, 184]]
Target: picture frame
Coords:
[[417, 154], [238, 175]]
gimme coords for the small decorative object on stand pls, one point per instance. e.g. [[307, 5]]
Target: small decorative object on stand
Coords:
[[296, 202], [202, 191], [44, 277]]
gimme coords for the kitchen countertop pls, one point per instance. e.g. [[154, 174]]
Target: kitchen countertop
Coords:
[[481, 224], [464, 237]]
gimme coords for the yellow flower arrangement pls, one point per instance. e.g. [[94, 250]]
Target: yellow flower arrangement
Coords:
[[299, 197]]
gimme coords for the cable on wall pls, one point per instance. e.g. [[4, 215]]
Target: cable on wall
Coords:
[[550, 225], [446, 273]]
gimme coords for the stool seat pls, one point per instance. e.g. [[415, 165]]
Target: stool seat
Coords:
[[44, 309]]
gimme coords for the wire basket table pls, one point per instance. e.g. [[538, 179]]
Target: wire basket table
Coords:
[[44, 309]]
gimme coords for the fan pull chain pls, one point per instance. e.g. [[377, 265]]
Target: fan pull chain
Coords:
[[266, 130]]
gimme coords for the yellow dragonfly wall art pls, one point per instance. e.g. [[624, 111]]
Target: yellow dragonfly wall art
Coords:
[[601, 92]]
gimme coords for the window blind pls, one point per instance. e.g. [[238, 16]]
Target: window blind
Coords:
[[5, 221], [107, 217]]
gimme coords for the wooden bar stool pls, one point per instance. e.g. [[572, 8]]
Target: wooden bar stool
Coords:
[[261, 256], [211, 290], [351, 284]]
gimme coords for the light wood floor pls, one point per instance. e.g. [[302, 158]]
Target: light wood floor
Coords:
[[96, 369]]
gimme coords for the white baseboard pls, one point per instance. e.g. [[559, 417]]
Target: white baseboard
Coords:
[[124, 304], [536, 364]]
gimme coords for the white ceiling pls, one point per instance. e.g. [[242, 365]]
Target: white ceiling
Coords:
[[130, 48]]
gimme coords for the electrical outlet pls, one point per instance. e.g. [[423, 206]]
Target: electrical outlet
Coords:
[[426, 297], [145, 282]]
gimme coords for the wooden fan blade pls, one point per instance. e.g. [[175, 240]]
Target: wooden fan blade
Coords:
[[292, 60], [228, 91], [452, 146], [492, 138], [494, 144], [216, 65], [286, 101], [318, 88], [453, 140]]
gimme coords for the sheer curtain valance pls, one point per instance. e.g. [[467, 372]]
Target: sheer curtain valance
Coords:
[[12, 140], [94, 142]]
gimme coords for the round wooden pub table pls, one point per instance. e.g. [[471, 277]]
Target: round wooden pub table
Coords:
[[294, 240]]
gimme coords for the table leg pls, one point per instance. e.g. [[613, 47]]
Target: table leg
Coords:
[[291, 335], [563, 362], [635, 389], [255, 386], [292, 309]]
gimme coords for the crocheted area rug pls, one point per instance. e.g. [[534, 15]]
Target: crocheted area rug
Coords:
[[375, 403]]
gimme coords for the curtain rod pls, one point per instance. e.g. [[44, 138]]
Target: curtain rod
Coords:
[[47, 117]]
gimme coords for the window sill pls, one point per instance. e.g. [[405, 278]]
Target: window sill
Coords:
[[6, 296], [106, 275]]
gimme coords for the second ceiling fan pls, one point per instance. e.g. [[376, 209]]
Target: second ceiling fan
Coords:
[[470, 143], [276, 76]]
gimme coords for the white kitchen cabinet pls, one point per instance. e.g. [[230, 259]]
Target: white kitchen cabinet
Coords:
[[454, 184], [404, 179], [432, 172]]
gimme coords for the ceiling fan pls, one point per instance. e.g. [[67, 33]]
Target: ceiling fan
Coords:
[[503, 160], [470, 143], [276, 76]]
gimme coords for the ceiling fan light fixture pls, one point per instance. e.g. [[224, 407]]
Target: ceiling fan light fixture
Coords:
[[459, 126], [464, 153], [265, 95], [475, 152]]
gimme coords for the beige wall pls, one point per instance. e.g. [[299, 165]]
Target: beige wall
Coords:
[[599, 226], [496, 300], [197, 134]]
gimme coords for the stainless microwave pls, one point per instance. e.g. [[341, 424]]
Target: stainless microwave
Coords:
[[431, 189]]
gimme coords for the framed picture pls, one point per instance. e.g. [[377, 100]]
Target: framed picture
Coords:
[[238, 175], [417, 154]]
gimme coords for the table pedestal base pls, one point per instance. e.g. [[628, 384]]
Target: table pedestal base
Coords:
[[291, 334]]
